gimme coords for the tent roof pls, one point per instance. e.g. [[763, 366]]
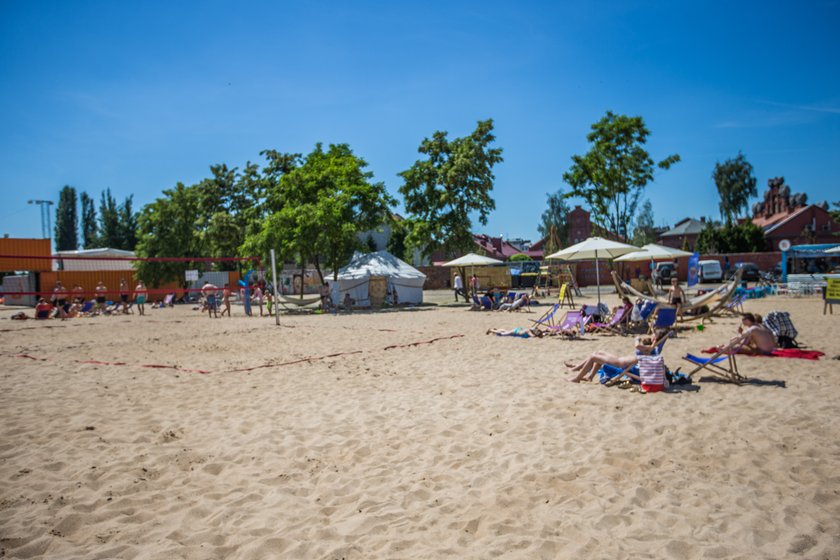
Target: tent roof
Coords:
[[104, 251], [380, 263]]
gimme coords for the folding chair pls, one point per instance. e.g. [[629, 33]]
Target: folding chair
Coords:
[[614, 325], [666, 318], [548, 317], [713, 365], [574, 322]]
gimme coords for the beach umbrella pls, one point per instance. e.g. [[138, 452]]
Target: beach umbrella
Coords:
[[472, 260], [594, 248], [653, 252]]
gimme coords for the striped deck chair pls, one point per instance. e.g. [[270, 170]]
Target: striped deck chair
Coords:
[[715, 366]]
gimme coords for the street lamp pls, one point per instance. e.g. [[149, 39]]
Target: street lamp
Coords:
[[46, 223]]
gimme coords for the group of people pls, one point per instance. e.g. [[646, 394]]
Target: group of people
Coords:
[[66, 304]]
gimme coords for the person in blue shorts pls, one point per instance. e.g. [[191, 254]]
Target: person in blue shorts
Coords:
[[209, 292]]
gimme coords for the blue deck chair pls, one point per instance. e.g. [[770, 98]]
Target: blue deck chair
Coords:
[[713, 364], [510, 298], [88, 306], [666, 318], [647, 309], [487, 303], [548, 317]]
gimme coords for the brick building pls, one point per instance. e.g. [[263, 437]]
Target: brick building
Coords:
[[785, 215]]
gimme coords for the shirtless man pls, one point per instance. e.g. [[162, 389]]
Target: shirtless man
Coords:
[[226, 300], [59, 298], [209, 291], [140, 295], [78, 294], [101, 296], [759, 339], [124, 295]]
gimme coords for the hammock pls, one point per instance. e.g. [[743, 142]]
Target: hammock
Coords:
[[297, 301], [722, 294]]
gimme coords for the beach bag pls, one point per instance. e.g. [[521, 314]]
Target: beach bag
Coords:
[[780, 325]]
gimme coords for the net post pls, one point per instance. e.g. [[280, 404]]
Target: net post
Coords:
[[274, 284]]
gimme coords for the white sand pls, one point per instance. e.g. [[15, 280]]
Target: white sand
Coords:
[[470, 447]]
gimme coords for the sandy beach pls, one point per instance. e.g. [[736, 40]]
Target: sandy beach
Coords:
[[407, 434]]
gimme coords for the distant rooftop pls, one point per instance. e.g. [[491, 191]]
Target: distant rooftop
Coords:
[[688, 226]]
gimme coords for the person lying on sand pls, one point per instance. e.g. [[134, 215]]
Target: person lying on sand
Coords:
[[587, 369], [533, 332], [759, 339]]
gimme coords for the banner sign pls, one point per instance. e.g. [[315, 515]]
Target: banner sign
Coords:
[[191, 275], [832, 291], [693, 269]]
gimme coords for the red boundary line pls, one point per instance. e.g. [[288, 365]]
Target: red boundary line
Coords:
[[238, 370]]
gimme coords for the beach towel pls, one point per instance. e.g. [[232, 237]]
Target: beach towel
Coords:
[[782, 353]]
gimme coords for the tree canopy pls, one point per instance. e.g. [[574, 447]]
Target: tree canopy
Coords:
[[735, 184], [555, 216], [89, 224], [613, 174], [645, 231], [66, 221], [731, 238], [442, 191]]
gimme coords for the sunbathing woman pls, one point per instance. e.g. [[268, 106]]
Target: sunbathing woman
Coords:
[[587, 369], [759, 339], [532, 332]]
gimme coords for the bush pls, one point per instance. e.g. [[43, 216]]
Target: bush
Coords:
[[734, 238], [519, 257]]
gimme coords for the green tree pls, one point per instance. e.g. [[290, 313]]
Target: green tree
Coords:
[[443, 190], [127, 225], [519, 257], [166, 228], [612, 175], [324, 204], [396, 241], [555, 216], [110, 234], [66, 221], [745, 237], [89, 224], [645, 231], [370, 244], [835, 212], [735, 184]]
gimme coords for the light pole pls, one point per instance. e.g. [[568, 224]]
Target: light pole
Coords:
[[46, 222]]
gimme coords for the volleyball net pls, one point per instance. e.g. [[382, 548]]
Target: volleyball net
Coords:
[[27, 278]]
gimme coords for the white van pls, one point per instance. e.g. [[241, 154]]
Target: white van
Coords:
[[710, 271]]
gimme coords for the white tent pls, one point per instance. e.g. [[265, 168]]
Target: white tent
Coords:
[[354, 278]]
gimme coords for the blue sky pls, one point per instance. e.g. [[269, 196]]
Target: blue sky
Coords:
[[139, 96]]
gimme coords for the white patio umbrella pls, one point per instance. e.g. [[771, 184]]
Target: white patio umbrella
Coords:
[[594, 248], [653, 252], [472, 260]]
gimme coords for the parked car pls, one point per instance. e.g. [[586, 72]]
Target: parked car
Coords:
[[710, 271], [665, 271], [751, 272]]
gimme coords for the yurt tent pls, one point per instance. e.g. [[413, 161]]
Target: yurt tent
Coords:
[[367, 272]]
